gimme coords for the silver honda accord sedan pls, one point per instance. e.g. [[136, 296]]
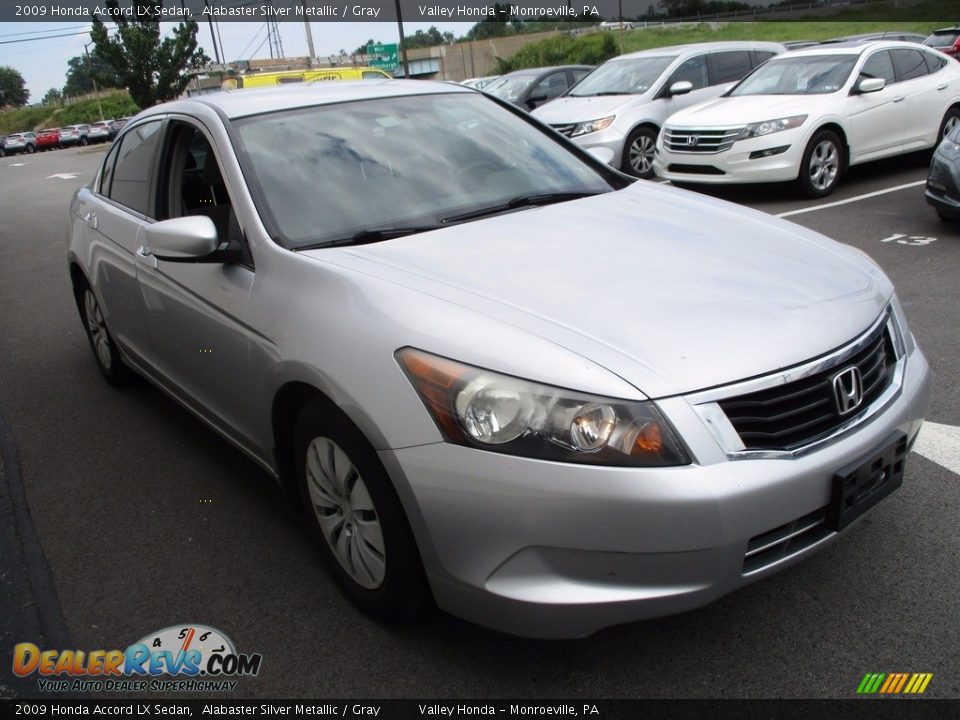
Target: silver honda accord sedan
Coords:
[[491, 370]]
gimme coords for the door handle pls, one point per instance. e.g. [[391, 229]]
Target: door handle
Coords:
[[942, 86], [145, 257], [90, 218], [898, 98]]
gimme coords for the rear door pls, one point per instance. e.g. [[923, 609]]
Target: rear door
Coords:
[[921, 105]]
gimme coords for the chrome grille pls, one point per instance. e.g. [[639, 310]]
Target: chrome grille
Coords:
[[700, 140], [797, 413], [565, 129]]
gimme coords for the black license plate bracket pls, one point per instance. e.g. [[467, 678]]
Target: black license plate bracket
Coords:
[[861, 485]]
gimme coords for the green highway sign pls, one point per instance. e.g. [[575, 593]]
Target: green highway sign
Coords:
[[383, 56]]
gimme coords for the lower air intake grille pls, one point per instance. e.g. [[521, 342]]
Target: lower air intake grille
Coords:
[[782, 542]]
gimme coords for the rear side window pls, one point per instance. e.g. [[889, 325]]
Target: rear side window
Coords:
[[934, 63], [130, 184], [729, 66], [908, 63], [761, 56], [879, 65]]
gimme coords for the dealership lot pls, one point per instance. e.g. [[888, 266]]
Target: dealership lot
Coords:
[[148, 519]]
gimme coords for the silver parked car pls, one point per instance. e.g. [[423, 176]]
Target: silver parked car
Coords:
[[491, 368], [623, 104]]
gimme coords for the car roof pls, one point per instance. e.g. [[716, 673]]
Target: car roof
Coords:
[[695, 48], [545, 70], [253, 101], [852, 48]]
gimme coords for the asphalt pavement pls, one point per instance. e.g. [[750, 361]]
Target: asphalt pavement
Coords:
[[147, 519]]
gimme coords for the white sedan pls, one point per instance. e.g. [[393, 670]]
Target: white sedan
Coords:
[[808, 115]]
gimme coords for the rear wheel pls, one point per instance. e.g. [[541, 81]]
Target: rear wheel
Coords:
[[638, 152], [31, 149], [821, 165], [101, 342], [84, 141], [355, 513]]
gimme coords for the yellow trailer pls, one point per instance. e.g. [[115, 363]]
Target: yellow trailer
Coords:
[[293, 76]]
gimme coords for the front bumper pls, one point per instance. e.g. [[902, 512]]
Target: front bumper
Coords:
[[554, 550], [610, 138], [943, 186], [736, 164]]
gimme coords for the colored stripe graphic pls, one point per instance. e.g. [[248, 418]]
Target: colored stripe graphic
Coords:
[[894, 683]]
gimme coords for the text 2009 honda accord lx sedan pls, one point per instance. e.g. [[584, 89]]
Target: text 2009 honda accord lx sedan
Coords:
[[493, 370]]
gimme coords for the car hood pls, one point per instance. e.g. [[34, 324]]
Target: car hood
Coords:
[[580, 109], [670, 290], [744, 110]]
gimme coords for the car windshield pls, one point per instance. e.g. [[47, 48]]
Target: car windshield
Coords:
[[804, 75], [623, 77], [510, 88], [324, 174]]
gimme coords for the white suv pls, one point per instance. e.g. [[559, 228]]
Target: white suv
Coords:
[[810, 114], [623, 104]]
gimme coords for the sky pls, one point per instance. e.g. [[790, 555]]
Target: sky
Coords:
[[43, 63]]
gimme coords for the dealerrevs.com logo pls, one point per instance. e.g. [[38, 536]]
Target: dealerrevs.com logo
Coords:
[[181, 658]]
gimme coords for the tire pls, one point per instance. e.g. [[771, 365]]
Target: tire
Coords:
[[362, 531], [638, 152], [31, 149], [950, 120], [822, 165], [101, 341], [84, 141]]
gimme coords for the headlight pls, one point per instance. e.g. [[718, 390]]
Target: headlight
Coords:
[[591, 126], [771, 126], [484, 409]]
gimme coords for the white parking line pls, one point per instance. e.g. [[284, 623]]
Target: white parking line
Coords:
[[858, 198], [940, 443]]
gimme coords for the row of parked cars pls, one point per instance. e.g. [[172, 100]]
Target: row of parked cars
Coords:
[[752, 112], [53, 138]]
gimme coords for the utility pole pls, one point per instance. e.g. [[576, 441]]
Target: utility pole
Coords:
[[309, 33], [96, 90], [620, 10], [403, 49], [213, 37]]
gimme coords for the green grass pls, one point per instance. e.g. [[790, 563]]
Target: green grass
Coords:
[[37, 117]]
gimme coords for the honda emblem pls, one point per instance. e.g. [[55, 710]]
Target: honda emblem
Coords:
[[848, 390]]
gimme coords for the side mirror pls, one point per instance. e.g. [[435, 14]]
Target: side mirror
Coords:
[[183, 239], [681, 88], [870, 85], [535, 100]]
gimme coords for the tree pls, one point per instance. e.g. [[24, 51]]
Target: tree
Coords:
[[83, 70], [153, 70], [13, 89], [53, 97], [362, 50]]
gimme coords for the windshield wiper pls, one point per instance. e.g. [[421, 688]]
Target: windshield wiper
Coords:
[[519, 202], [601, 94], [363, 237]]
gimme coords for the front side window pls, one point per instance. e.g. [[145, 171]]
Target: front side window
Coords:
[[693, 70], [633, 76], [803, 75], [320, 175], [879, 65], [131, 175], [551, 86], [730, 66]]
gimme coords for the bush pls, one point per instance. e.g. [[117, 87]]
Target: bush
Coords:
[[37, 117], [563, 50]]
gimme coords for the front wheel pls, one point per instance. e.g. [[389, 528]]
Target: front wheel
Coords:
[[84, 142], [821, 165], [31, 149], [638, 153], [356, 515], [950, 120]]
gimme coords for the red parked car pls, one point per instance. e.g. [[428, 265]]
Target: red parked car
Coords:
[[48, 139], [946, 40]]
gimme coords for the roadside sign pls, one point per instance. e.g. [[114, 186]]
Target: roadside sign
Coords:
[[383, 56]]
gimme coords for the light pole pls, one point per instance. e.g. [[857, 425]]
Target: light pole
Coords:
[[96, 91]]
